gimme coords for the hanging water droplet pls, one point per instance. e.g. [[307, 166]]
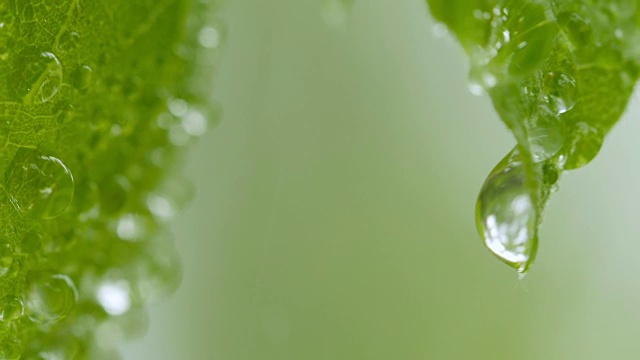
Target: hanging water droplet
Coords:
[[50, 297], [550, 174], [40, 186], [11, 308], [585, 144], [560, 89], [506, 215]]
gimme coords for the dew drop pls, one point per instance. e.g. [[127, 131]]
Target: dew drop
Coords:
[[11, 309], [177, 107], [194, 123], [550, 175], [6, 259], [585, 144], [160, 207], [83, 77], [42, 78], [132, 227], [114, 297], [546, 137], [10, 350], [561, 92], [209, 37], [481, 80], [506, 215], [39, 186], [50, 298]]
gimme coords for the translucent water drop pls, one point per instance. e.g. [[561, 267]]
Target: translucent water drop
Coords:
[[440, 30], [11, 308], [59, 348], [114, 297], [39, 186], [209, 37], [47, 84], [160, 207], [481, 80], [506, 215], [50, 298], [10, 350], [561, 92], [132, 227], [550, 174], [6, 259], [585, 144], [83, 77], [546, 137], [194, 123], [38, 76], [177, 107]]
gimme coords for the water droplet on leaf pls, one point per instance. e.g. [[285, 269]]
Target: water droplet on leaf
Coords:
[[114, 297], [40, 186], [11, 308], [209, 37], [546, 137], [50, 297], [40, 78], [83, 77], [560, 89]]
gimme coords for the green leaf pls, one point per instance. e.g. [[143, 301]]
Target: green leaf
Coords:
[[560, 74], [97, 102]]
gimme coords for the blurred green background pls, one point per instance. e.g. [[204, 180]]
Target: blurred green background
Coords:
[[335, 209]]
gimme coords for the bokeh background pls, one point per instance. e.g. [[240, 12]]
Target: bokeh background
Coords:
[[335, 210]]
